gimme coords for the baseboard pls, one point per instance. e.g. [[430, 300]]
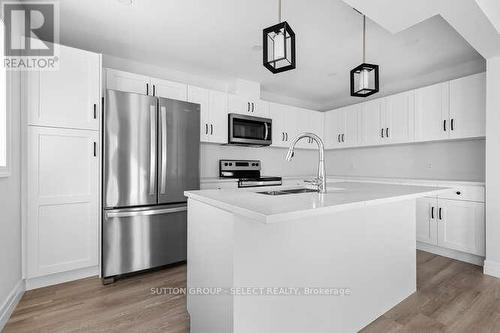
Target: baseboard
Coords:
[[11, 302], [491, 268], [457, 255], [52, 279]]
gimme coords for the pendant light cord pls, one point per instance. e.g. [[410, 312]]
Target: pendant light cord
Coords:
[[279, 11], [364, 38]]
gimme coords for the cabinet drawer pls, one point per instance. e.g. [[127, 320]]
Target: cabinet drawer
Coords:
[[466, 193]]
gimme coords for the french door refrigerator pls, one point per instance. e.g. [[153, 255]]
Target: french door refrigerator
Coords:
[[150, 157]]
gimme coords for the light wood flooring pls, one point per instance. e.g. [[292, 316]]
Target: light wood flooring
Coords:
[[452, 297]]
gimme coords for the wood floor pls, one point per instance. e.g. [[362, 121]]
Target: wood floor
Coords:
[[452, 297]]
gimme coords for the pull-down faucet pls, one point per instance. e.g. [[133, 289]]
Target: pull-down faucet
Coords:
[[320, 180]]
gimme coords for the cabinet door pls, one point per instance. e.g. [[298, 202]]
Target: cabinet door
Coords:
[[398, 118], [315, 125], [201, 96], [129, 82], [169, 89], [372, 132], [260, 108], [238, 104], [351, 131], [68, 97], [277, 114], [461, 226], [218, 117], [335, 124], [427, 228], [432, 112], [63, 197], [468, 106]]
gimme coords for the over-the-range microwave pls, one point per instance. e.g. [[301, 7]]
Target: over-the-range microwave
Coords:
[[249, 130]]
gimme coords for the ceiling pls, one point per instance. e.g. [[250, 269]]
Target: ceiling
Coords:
[[221, 38]]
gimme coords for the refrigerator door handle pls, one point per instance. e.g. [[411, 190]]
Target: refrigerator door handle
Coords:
[[152, 163], [149, 212], [163, 116]]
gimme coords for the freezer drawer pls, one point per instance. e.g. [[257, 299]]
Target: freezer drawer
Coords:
[[142, 238]]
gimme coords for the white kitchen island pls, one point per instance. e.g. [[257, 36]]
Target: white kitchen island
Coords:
[[300, 262]]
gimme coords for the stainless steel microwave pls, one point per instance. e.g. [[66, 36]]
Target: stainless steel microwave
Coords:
[[249, 130]]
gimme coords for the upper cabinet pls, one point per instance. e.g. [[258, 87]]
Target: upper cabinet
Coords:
[[169, 89], [213, 119], [468, 106], [140, 84], [451, 110], [242, 105], [432, 108], [398, 118], [68, 97], [342, 127], [125, 81]]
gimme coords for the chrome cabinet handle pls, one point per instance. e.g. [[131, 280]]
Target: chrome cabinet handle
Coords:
[[432, 212], [440, 215], [152, 147], [452, 123], [163, 116], [146, 212]]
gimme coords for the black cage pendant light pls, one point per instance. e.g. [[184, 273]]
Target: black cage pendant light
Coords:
[[364, 78], [279, 46]]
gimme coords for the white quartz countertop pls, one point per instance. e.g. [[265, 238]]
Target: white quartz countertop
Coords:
[[340, 196]]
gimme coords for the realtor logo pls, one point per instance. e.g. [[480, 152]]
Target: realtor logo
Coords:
[[31, 35]]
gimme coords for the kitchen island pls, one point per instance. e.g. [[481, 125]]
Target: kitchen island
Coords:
[[304, 262]]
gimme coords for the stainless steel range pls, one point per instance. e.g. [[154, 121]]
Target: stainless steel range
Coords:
[[248, 173]]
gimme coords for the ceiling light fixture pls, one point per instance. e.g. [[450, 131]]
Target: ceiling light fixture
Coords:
[[279, 46], [364, 78]]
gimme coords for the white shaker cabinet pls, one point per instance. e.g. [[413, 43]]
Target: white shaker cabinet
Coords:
[[213, 118], [130, 82], [427, 231], [63, 200], [461, 226], [468, 106], [342, 127], [285, 122], [69, 96], [398, 118], [432, 105], [168, 89], [373, 130], [248, 106]]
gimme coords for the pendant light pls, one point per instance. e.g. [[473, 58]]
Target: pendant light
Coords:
[[279, 46], [364, 78]]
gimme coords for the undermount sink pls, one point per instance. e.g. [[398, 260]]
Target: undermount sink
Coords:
[[289, 191]]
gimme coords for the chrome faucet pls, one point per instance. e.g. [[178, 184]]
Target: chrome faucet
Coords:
[[320, 180]]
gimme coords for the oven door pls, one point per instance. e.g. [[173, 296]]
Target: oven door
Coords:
[[248, 130]]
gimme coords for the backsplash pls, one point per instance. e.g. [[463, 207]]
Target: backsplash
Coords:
[[453, 160]]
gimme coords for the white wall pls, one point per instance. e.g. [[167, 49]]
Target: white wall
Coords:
[[10, 205], [492, 264]]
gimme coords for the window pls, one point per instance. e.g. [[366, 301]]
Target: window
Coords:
[[4, 112]]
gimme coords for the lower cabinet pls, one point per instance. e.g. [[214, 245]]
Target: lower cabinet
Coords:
[[452, 224], [63, 200]]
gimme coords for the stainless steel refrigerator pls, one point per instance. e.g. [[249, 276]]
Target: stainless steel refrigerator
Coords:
[[150, 157]]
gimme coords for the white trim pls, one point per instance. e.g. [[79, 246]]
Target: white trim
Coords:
[[11, 302], [52, 279], [5, 171], [492, 268], [457, 255]]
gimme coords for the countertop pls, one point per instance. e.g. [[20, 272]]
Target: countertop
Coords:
[[335, 178], [340, 196]]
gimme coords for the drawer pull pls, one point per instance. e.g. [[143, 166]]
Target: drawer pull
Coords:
[[458, 192]]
